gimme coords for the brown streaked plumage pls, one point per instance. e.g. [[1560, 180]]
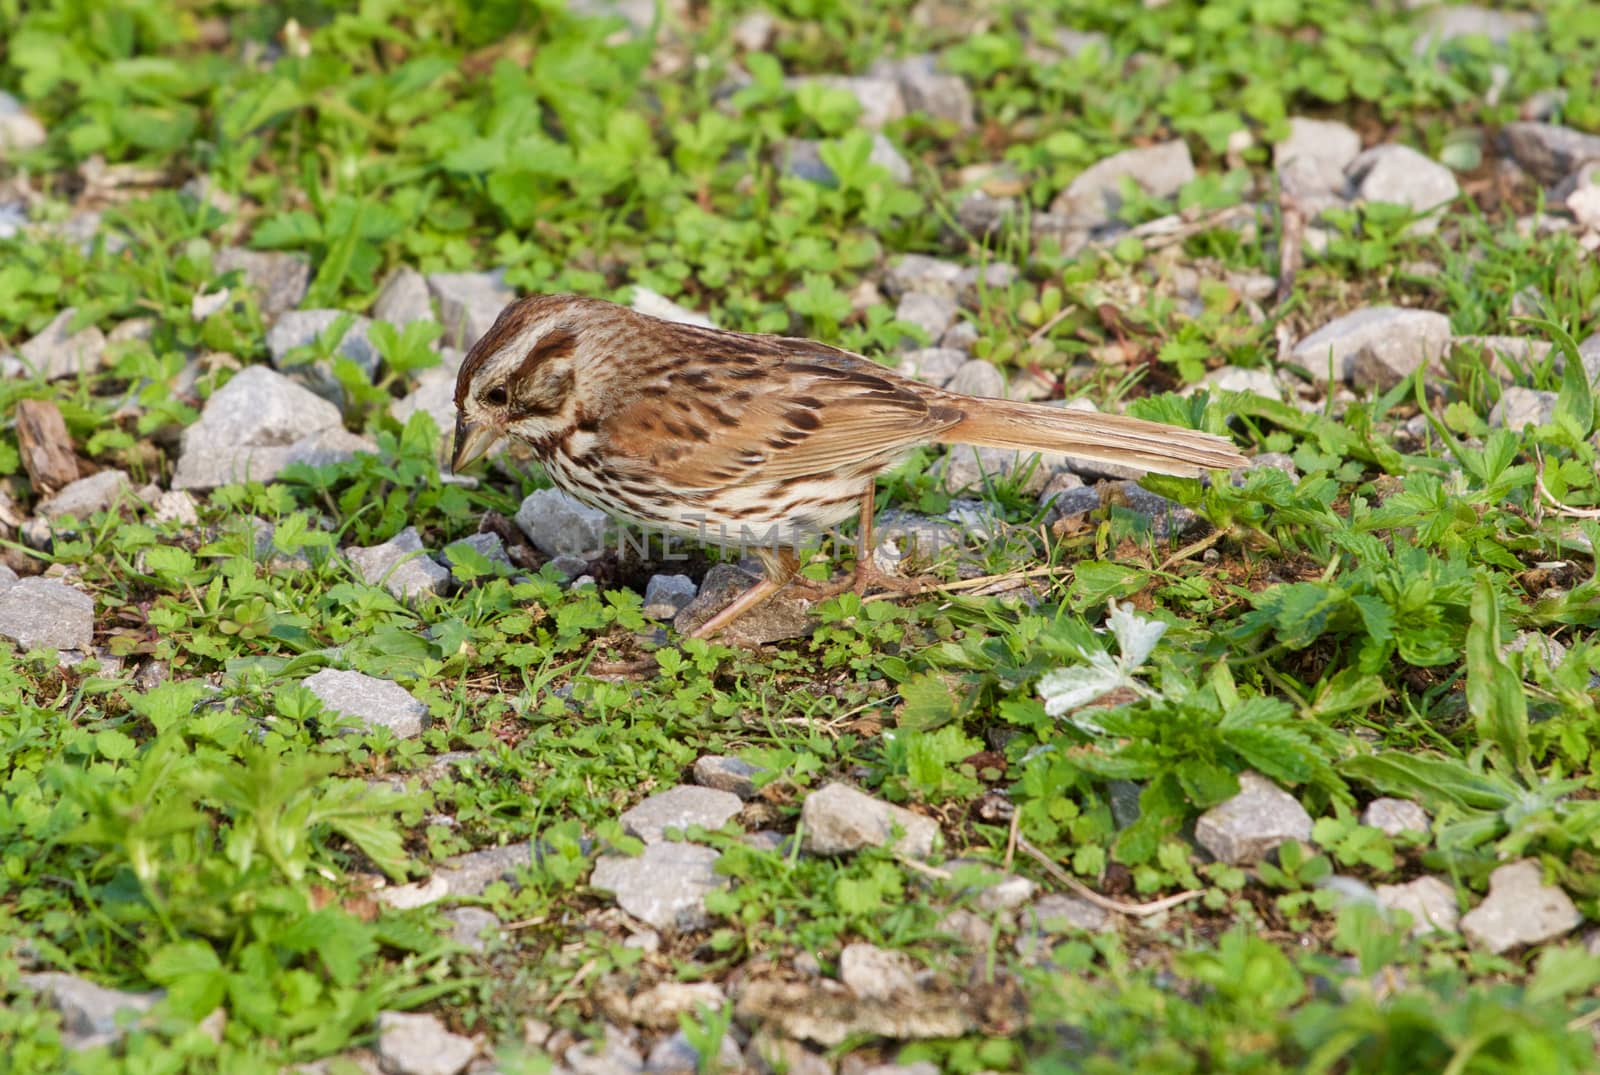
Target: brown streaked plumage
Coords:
[[738, 438]]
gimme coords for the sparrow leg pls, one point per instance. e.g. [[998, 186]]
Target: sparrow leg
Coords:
[[866, 576], [780, 565]]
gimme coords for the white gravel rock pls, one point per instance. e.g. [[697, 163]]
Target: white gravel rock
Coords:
[[19, 130], [667, 595], [678, 808], [55, 352], [1094, 197], [468, 302], [84, 497], [404, 298], [401, 565], [40, 613], [1520, 407], [1430, 901], [91, 1015], [257, 424], [877, 974], [376, 703], [664, 887], [560, 525], [1400, 175], [1374, 343], [414, 1043], [301, 328], [1247, 827], [1395, 816], [1520, 909], [839, 819]]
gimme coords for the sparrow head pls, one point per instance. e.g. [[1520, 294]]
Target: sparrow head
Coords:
[[519, 379]]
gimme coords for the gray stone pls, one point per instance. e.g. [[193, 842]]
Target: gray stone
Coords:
[[1520, 909], [415, 1043], [673, 1055], [918, 535], [930, 313], [613, 1055], [769, 1053], [1061, 912], [55, 353], [1256, 382], [371, 702], [656, 304], [919, 272], [732, 775], [302, 328], [1547, 151], [1519, 407], [887, 156], [1247, 827], [1380, 341], [469, 926], [1093, 199], [40, 613], [573, 570], [966, 467], [469, 303], [84, 497], [559, 525], [995, 889], [1442, 24], [1075, 43], [1168, 518], [257, 424], [1550, 650], [879, 97], [667, 595], [13, 218], [1068, 496], [9, 578], [91, 1015], [660, 1005], [975, 281], [679, 808], [754, 32], [1501, 352], [19, 131], [1399, 175], [1396, 816], [471, 873], [933, 365], [802, 158], [983, 215], [488, 546], [978, 377], [782, 617], [401, 566], [665, 887], [1429, 901], [434, 392], [1311, 162], [280, 280], [877, 974], [925, 90], [403, 298], [839, 820]]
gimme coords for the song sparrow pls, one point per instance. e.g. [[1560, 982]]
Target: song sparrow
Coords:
[[736, 437]]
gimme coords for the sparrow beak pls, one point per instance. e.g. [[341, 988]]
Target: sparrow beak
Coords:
[[472, 441]]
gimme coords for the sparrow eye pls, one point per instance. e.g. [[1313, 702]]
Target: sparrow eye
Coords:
[[496, 396]]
